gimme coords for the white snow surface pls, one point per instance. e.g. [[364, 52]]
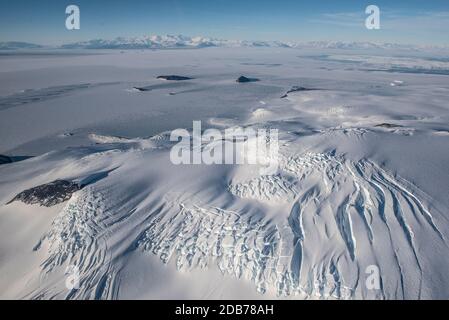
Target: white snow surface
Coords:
[[363, 177]]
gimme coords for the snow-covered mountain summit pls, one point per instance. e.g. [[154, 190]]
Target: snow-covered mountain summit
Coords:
[[145, 42], [181, 41]]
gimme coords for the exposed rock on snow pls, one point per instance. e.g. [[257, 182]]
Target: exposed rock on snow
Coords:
[[5, 159], [296, 89], [388, 125], [49, 194], [141, 89], [174, 78], [244, 79], [58, 191], [169, 85]]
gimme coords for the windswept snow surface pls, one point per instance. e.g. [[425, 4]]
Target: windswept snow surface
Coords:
[[363, 177]]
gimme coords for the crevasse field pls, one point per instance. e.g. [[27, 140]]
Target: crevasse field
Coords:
[[363, 177]]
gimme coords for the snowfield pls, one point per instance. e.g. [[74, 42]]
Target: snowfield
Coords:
[[87, 183]]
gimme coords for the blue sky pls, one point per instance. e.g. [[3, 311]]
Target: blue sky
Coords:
[[402, 21]]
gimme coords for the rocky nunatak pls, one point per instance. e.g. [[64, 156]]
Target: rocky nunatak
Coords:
[[5, 159], [49, 194], [244, 79], [174, 78]]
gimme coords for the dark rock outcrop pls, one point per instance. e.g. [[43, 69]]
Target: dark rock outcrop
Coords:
[[388, 125], [174, 78], [5, 159], [141, 89], [244, 79], [49, 194], [296, 89], [58, 191]]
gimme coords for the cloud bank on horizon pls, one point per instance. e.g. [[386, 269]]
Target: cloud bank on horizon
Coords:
[[43, 22]]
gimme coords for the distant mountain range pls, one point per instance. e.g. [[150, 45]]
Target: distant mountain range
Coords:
[[180, 41], [15, 45]]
